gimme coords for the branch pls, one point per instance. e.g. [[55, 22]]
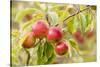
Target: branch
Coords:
[[75, 14], [47, 18], [28, 58]]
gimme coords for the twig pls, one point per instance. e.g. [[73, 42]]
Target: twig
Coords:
[[28, 58], [75, 14], [47, 18], [46, 14]]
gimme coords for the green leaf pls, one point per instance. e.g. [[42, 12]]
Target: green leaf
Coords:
[[53, 18], [39, 54], [89, 19], [45, 53], [74, 47], [76, 23], [83, 22], [70, 25], [24, 12], [82, 7], [38, 5], [62, 14], [73, 43], [50, 59], [49, 50]]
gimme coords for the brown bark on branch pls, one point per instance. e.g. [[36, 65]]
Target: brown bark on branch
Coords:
[[28, 58], [75, 14]]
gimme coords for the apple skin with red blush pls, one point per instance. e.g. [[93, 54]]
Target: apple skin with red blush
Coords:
[[61, 48], [54, 34], [29, 41], [78, 36], [40, 29], [90, 33]]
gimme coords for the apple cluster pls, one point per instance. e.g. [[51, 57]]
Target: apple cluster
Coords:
[[80, 37], [40, 29]]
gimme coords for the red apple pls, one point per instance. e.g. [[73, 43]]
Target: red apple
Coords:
[[90, 33], [54, 34], [80, 39], [61, 48], [29, 41], [78, 36], [40, 28]]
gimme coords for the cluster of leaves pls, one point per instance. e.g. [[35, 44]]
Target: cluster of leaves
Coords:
[[55, 14]]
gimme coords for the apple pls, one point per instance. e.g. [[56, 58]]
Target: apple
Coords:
[[29, 41], [40, 28], [90, 33], [78, 36], [80, 39], [54, 34], [61, 48], [28, 16]]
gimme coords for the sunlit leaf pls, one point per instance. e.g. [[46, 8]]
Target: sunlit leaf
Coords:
[[53, 18], [38, 5], [89, 20], [70, 25], [82, 7], [62, 14], [73, 43]]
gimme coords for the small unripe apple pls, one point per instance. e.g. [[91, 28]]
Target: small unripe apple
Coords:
[[29, 41], [54, 34], [61, 48], [40, 28]]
